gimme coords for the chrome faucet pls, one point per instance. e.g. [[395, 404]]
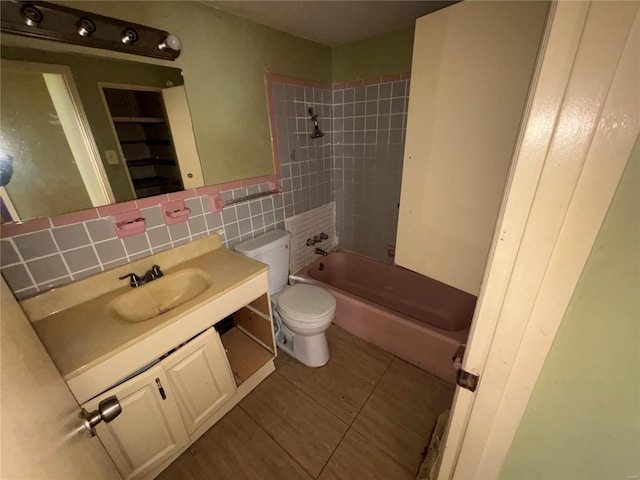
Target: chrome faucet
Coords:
[[136, 281], [320, 251]]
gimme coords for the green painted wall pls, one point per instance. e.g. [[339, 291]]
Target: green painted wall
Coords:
[[224, 59], [383, 54], [87, 72], [582, 421]]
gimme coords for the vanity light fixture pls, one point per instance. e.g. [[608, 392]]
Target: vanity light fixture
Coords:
[[86, 27], [172, 42], [59, 23], [32, 15]]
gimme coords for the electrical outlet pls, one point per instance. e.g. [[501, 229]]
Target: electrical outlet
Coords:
[[112, 157]]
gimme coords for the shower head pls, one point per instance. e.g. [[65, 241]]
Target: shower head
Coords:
[[317, 133]]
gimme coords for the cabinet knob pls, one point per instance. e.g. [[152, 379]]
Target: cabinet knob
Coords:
[[108, 409]]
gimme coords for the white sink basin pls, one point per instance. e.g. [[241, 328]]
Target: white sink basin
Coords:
[[161, 295]]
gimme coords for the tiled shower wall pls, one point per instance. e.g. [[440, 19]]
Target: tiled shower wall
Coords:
[[40, 260], [369, 126], [305, 163], [364, 128]]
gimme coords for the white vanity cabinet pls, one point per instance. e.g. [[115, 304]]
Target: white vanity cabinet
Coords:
[[200, 378], [149, 429], [164, 405], [191, 365]]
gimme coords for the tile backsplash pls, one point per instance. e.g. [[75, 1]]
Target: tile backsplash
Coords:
[[307, 225], [40, 260]]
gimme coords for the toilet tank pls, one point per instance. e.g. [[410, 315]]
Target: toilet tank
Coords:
[[271, 248]]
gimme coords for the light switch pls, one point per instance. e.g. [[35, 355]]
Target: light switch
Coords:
[[112, 157]]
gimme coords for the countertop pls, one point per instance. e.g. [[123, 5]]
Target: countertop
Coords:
[[80, 336]]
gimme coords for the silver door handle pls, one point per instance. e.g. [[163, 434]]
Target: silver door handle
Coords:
[[108, 409]]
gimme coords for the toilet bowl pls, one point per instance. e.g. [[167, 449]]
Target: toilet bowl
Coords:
[[306, 312]]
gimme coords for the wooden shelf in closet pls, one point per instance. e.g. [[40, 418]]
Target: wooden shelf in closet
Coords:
[[139, 120], [150, 182], [144, 162], [146, 142]]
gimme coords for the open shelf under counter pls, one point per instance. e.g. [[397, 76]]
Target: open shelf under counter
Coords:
[[247, 336], [245, 355]]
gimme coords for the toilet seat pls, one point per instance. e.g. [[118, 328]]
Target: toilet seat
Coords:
[[306, 306]]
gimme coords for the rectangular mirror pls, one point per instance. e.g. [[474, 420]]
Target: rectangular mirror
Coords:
[[80, 131]]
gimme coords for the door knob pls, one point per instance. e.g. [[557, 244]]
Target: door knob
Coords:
[[108, 409]]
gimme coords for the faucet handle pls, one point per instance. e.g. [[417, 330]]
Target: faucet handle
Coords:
[[324, 236], [156, 272], [135, 279]]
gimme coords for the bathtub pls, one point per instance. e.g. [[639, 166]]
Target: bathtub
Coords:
[[416, 318]]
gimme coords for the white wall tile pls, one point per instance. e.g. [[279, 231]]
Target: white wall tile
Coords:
[[307, 225]]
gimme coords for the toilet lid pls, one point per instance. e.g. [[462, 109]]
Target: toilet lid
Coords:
[[306, 302]]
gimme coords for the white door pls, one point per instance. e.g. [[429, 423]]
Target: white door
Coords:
[[42, 435], [578, 131], [200, 378], [468, 92], [184, 142], [149, 430]]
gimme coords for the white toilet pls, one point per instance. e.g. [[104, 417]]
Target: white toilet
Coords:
[[306, 311]]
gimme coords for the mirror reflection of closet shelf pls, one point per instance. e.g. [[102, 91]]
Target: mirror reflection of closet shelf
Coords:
[[141, 124], [59, 168]]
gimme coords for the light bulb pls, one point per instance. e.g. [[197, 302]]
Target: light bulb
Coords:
[[86, 27], [171, 42], [129, 36]]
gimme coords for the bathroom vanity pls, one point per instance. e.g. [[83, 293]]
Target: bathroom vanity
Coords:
[[178, 352]]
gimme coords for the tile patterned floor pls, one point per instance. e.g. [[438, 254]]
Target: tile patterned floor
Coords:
[[364, 415]]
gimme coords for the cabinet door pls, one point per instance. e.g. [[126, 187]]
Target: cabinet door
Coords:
[[200, 377], [179, 117], [149, 430]]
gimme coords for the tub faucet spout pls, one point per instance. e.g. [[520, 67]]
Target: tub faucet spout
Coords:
[[320, 251]]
